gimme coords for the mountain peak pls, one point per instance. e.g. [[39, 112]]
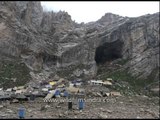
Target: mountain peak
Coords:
[[109, 18]]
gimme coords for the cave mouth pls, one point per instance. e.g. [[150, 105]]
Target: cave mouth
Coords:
[[49, 59], [108, 52]]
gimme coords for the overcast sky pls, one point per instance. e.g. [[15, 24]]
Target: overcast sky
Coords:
[[92, 11]]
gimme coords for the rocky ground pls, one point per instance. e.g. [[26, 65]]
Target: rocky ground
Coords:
[[119, 99], [113, 107]]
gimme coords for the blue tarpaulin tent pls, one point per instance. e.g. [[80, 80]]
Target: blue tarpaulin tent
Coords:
[[66, 94], [57, 92]]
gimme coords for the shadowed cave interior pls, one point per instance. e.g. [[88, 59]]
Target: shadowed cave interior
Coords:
[[108, 52]]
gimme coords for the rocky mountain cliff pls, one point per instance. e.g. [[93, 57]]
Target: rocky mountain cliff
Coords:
[[50, 43]]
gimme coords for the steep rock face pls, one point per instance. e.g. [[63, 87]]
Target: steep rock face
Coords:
[[50, 43], [137, 40], [41, 45], [144, 45]]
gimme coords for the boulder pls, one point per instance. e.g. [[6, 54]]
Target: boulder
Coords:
[[155, 90], [99, 94], [2, 93], [35, 92], [56, 77], [50, 94], [115, 93], [21, 97], [15, 88], [20, 87], [5, 97], [107, 83], [107, 94], [9, 90], [58, 106], [15, 101], [45, 89], [1, 106], [102, 116], [19, 92], [109, 79]]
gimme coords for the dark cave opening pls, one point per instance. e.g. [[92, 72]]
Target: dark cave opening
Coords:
[[49, 59], [108, 52]]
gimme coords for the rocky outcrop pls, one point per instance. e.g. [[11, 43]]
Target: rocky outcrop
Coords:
[[144, 45], [50, 43], [137, 40]]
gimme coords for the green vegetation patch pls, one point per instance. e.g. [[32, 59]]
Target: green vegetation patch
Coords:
[[67, 71], [126, 83], [13, 73], [122, 61]]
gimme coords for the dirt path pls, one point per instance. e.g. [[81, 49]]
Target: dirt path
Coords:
[[113, 107]]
